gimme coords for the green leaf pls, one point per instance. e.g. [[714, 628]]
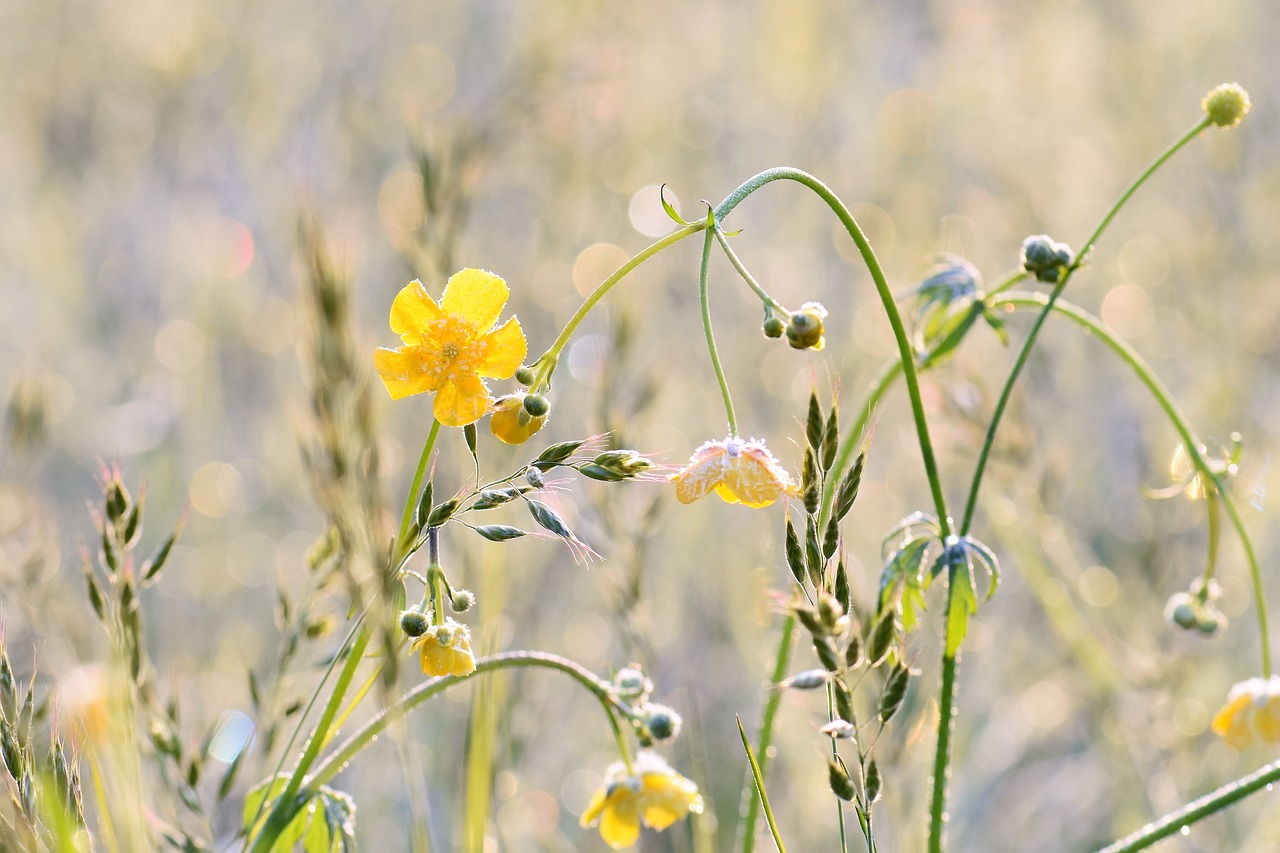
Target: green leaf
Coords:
[[666, 206], [759, 779]]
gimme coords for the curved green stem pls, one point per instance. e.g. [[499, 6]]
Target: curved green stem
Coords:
[[886, 298], [891, 370], [1225, 797], [331, 765], [547, 361], [1081, 257], [282, 812], [1165, 400], [742, 271], [781, 660], [704, 300], [1211, 500], [286, 804]]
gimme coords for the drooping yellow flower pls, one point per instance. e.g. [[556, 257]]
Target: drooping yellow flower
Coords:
[[655, 795], [1252, 712], [511, 421], [452, 347], [738, 471], [446, 650]]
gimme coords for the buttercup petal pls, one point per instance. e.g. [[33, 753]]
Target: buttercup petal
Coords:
[[620, 823], [404, 371], [1231, 723], [1266, 720], [504, 350], [412, 313], [477, 297], [594, 808], [462, 402]]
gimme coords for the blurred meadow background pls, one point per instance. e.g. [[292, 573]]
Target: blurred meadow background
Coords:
[[167, 165]]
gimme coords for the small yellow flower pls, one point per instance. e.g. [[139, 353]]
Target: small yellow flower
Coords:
[[452, 347], [511, 421], [655, 795], [1252, 711], [738, 471], [446, 650]]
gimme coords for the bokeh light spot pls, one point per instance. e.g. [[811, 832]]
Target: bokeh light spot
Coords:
[[596, 263], [646, 213], [1127, 309]]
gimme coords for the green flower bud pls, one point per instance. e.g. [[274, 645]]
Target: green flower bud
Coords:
[[536, 405], [524, 376], [662, 722], [630, 683], [1226, 105], [1183, 610], [804, 330], [774, 326], [1045, 258], [463, 600], [414, 624]]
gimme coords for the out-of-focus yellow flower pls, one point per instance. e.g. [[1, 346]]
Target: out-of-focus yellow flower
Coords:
[[655, 795], [738, 471], [451, 347], [511, 421], [446, 650], [1252, 711]]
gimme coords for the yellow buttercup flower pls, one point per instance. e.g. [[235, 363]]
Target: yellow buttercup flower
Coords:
[[446, 650], [452, 347], [511, 421], [739, 471], [1252, 712], [654, 794]]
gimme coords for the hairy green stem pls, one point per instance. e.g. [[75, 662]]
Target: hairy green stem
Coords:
[[1189, 442], [547, 361], [704, 299], [1225, 797], [411, 502], [946, 722], [331, 765], [742, 271], [286, 806], [764, 740], [886, 298], [891, 370], [283, 810], [1025, 351]]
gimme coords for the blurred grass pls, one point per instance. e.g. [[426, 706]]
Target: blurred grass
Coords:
[[156, 158]]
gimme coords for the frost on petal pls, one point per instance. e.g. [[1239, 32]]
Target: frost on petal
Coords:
[[501, 351], [461, 402], [703, 473], [475, 296], [413, 312], [404, 371]]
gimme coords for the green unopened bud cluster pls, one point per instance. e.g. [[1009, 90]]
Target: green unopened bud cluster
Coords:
[[1195, 610], [1045, 258]]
